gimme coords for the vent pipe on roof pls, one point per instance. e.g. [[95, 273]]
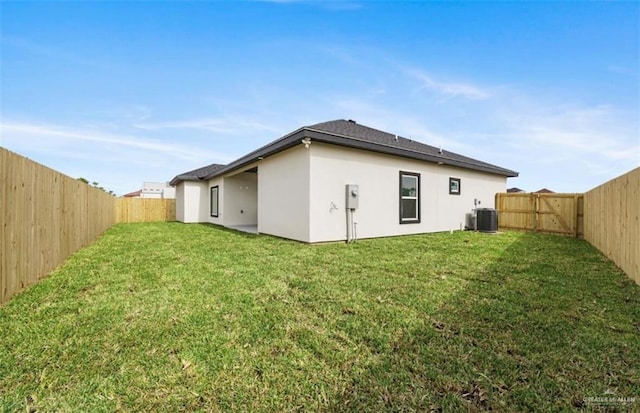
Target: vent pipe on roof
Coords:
[[440, 150], [396, 137]]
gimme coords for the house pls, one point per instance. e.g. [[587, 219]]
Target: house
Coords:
[[134, 194], [515, 190], [153, 190], [544, 191], [192, 196], [158, 190], [340, 180]]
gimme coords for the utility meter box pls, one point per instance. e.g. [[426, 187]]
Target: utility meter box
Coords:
[[353, 196]]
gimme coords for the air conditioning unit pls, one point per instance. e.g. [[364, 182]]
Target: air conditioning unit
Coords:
[[470, 221], [487, 220]]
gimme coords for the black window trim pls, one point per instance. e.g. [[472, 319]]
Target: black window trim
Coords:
[[418, 201], [217, 201], [452, 180]]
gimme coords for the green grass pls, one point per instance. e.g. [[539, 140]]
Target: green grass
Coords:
[[174, 317]]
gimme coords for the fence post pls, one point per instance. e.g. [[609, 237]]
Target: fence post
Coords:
[[575, 216], [536, 211]]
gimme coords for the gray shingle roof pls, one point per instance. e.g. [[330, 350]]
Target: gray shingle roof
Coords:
[[197, 174], [350, 134], [397, 143]]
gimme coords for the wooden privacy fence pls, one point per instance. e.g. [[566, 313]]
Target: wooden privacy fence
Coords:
[[554, 213], [612, 221], [45, 216], [145, 210], [607, 216]]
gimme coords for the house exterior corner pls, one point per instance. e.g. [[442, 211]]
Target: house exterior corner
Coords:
[[191, 202], [283, 194]]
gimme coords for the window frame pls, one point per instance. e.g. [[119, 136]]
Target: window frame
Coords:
[[401, 197], [458, 181], [217, 211]]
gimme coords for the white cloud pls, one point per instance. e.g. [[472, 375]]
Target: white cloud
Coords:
[[91, 145], [407, 124], [229, 125], [101, 156], [596, 130], [552, 139], [447, 89], [211, 125], [570, 148]]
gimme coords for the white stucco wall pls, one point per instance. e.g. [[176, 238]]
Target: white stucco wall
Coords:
[[241, 199], [283, 194], [180, 202], [332, 167], [191, 202]]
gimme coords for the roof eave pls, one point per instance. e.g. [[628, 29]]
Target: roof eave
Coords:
[[294, 138], [272, 148], [391, 150], [175, 181]]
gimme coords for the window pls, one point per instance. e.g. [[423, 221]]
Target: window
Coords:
[[454, 186], [214, 201], [409, 198]]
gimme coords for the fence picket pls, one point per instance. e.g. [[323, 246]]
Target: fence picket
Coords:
[[612, 221]]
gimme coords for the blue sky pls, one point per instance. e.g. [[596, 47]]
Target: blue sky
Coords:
[[126, 92]]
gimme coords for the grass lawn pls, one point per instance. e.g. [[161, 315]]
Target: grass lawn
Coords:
[[174, 317]]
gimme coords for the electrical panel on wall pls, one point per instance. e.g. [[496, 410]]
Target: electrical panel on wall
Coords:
[[352, 196]]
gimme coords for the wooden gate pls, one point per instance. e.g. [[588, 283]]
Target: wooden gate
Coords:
[[554, 213]]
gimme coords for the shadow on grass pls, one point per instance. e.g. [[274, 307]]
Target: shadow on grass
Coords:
[[546, 324], [199, 317]]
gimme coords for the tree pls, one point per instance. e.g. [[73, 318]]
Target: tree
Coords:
[[96, 185]]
